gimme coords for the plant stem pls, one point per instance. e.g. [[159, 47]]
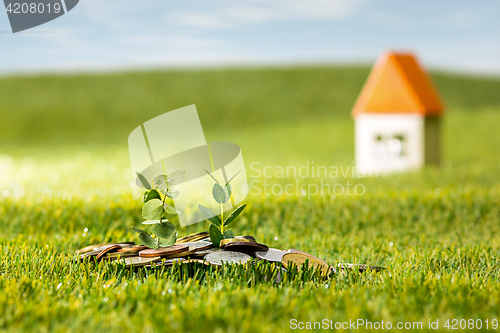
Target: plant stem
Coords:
[[222, 218], [163, 202]]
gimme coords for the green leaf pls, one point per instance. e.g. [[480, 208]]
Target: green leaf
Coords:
[[163, 191], [172, 194], [177, 177], [163, 183], [219, 194], [148, 222], [236, 174], [163, 230], [150, 195], [137, 229], [212, 177], [169, 209], [215, 235], [228, 233], [169, 242], [152, 210], [209, 215], [143, 181], [234, 214], [147, 240]]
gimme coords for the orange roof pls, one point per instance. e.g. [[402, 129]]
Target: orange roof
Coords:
[[397, 84]]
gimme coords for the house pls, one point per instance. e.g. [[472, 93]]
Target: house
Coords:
[[397, 117]]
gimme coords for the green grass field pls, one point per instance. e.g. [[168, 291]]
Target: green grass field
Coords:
[[65, 182]]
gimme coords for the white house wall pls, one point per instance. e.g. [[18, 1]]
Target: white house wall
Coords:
[[369, 126]]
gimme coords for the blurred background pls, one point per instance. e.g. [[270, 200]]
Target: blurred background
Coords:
[[279, 78], [121, 34]]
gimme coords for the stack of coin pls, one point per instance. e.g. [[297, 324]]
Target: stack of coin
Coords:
[[102, 246], [104, 252], [197, 248], [200, 245], [193, 237], [244, 245], [164, 251], [135, 249]]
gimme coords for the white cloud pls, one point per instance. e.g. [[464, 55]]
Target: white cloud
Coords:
[[461, 18], [198, 20], [236, 14], [172, 42]]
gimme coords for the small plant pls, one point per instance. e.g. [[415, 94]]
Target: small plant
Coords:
[[155, 210], [219, 228]]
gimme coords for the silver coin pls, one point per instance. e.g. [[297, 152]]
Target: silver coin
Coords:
[[200, 245], [273, 255], [203, 253], [228, 257], [139, 261]]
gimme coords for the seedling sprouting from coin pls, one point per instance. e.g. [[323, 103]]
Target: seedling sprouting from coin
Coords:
[[219, 228], [155, 210]]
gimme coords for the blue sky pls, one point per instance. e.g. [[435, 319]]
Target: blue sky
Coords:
[[116, 34]]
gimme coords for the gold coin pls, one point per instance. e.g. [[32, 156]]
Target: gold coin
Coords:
[[112, 248], [250, 238], [307, 254], [247, 247], [193, 237], [133, 249], [234, 240], [300, 259], [164, 251], [122, 245], [90, 254]]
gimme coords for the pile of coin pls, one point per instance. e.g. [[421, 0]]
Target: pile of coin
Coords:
[[197, 248]]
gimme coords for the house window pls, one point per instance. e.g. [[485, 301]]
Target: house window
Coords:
[[380, 147], [389, 147], [396, 145]]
